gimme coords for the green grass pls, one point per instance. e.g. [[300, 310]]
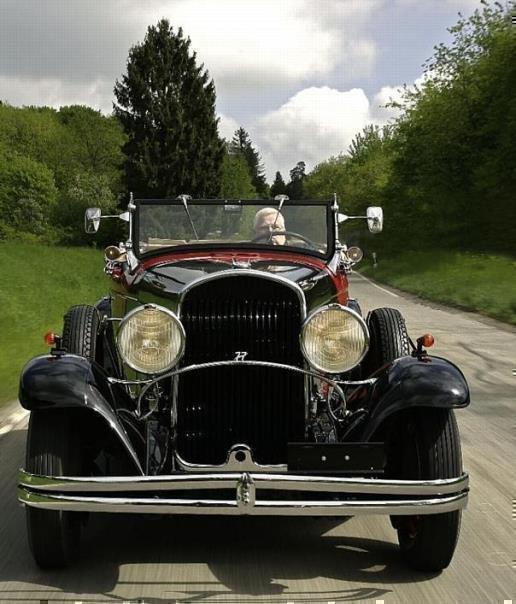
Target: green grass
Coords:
[[37, 285], [477, 282]]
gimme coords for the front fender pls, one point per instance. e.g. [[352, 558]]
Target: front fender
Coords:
[[68, 380], [409, 382]]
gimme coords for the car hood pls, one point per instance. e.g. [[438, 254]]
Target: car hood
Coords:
[[172, 277]]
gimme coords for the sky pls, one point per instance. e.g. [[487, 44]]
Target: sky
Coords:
[[301, 76]]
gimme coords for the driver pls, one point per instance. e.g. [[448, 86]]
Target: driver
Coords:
[[268, 220]]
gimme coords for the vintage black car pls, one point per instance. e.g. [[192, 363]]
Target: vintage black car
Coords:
[[228, 371]]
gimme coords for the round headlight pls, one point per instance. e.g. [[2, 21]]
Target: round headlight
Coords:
[[151, 339], [334, 339]]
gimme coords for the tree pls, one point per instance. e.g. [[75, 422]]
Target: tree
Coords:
[[295, 188], [278, 186], [241, 145], [27, 195], [236, 180], [166, 104]]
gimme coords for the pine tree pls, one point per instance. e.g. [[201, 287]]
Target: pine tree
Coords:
[[295, 188], [278, 187], [241, 145], [166, 104]]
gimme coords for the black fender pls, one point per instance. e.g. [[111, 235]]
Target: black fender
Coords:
[[71, 381], [408, 382]]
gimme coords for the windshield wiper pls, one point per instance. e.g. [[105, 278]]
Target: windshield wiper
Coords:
[[184, 199], [281, 199]]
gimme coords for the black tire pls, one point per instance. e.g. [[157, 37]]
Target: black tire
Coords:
[[53, 450], [80, 330], [389, 339], [429, 448]]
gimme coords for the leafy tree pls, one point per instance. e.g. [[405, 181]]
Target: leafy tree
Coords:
[[295, 188], [83, 191], [241, 145], [27, 195], [236, 180], [278, 187], [166, 104], [97, 142]]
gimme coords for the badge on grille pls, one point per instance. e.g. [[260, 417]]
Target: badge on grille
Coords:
[[240, 355]]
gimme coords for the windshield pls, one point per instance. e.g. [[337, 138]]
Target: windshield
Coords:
[[215, 223]]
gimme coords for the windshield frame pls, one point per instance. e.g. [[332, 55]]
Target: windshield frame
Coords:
[[240, 245]]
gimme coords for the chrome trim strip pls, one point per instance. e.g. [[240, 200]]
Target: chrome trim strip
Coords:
[[244, 503], [249, 273], [148, 383], [223, 480]]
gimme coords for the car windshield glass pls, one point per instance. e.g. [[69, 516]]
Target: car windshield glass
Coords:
[[302, 226]]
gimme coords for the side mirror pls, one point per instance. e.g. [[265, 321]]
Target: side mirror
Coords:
[[92, 220], [374, 219]]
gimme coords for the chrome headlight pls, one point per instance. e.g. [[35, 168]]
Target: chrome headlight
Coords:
[[334, 339], [151, 339]]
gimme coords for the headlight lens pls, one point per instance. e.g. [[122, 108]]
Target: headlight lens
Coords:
[[334, 339], [151, 339]]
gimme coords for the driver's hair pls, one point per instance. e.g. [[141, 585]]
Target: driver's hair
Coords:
[[261, 214]]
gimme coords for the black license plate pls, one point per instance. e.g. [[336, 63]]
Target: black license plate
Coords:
[[354, 458]]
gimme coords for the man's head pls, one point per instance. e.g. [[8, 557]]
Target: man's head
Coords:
[[268, 220]]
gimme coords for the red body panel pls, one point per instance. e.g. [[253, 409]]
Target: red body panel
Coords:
[[338, 278]]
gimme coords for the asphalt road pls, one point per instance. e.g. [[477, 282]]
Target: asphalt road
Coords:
[[210, 560]]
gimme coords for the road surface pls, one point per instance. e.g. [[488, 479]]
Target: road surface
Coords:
[[233, 560]]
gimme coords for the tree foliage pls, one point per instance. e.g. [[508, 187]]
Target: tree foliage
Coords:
[[444, 171], [236, 180], [43, 153], [241, 145], [166, 104], [278, 187], [296, 187]]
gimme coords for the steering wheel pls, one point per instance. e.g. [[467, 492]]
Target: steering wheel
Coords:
[[271, 234]]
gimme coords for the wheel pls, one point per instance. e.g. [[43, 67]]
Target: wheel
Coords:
[[428, 448], [388, 338], [52, 450], [80, 329]]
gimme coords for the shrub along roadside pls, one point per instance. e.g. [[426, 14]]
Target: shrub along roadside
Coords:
[[38, 285], [477, 282]]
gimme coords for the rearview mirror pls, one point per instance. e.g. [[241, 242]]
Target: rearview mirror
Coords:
[[374, 219], [92, 220]]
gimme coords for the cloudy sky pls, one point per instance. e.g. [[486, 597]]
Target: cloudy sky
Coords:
[[302, 76]]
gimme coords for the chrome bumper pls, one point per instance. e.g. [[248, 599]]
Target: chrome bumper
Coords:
[[345, 496]]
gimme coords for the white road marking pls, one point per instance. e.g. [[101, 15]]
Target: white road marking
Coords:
[[13, 420], [377, 286]]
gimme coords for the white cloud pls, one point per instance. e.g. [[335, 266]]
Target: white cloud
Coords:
[[311, 126], [56, 93], [270, 42], [227, 126], [385, 95]]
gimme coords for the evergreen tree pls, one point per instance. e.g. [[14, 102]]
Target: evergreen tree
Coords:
[[295, 188], [278, 186], [166, 104], [241, 145]]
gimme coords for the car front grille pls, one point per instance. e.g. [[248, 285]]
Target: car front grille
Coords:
[[219, 407]]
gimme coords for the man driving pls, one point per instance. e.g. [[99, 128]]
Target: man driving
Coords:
[[266, 222]]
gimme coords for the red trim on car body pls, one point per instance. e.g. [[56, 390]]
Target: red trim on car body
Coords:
[[229, 256]]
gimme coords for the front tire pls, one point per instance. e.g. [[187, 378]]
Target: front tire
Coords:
[[52, 450], [80, 330], [429, 448], [389, 339]]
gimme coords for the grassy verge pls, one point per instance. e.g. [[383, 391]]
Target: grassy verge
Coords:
[[477, 282], [37, 285]]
